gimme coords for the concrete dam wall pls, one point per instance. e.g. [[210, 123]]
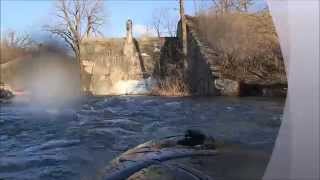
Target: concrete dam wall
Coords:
[[130, 66], [121, 65]]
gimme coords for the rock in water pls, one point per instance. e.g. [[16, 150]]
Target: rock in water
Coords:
[[5, 92], [228, 87], [192, 138]]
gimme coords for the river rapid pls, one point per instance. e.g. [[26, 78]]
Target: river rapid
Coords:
[[77, 141]]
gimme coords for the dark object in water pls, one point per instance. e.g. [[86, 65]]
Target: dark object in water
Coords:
[[192, 138], [5, 94]]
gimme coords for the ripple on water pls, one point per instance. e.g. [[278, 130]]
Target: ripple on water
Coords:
[[44, 145], [173, 104], [54, 144], [18, 163]]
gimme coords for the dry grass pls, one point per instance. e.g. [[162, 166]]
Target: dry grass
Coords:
[[247, 44], [171, 87], [15, 45], [9, 53]]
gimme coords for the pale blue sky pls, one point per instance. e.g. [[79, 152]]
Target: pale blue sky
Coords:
[[30, 15]]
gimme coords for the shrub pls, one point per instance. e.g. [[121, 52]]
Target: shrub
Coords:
[[171, 87]]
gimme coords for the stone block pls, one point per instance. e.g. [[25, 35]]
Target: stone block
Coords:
[[228, 87]]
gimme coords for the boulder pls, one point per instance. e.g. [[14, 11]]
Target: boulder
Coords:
[[5, 92], [228, 87], [265, 90], [274, 91]]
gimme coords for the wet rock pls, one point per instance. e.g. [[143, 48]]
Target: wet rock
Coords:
[[192, 138], [5, 92], [228, 87], [265, 90], [274, 91], [197, 139]]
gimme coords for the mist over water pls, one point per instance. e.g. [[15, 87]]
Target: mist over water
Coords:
[[46, 77], [55, 80]]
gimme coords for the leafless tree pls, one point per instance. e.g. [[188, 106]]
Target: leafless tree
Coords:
[[243, 5], [163, 22], [14, 40], [15, 45], [224, 6], [77, 19], [156, 23], [183, 28]]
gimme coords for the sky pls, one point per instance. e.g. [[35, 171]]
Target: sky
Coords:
[[29, 16]]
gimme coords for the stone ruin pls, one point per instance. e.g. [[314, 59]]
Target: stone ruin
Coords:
[[116, 66], [120, 65], [131, 55]]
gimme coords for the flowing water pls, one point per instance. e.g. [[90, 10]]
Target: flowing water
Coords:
[[77, 141]]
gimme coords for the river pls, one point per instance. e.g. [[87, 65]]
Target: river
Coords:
[[77, 141]]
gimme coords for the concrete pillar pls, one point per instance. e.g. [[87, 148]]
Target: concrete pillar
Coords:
[[131, 54], [129, 31]]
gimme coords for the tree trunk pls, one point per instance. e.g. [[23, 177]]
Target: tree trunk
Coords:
[[183, 28]]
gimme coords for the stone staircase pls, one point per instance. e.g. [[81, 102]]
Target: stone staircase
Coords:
[[238, 79], [210, 56]]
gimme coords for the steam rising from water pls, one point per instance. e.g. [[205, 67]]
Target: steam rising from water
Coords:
[[46, 77], [55, 80]]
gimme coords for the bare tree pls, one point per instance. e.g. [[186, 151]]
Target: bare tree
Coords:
[[224, 6], [13, 39], [183, 27], [163, 22], [156, 22], [15, 45], [77, 19], [243, 5]]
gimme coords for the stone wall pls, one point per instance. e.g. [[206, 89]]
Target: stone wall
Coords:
[[198, 73], [205, 75], [110, 63]]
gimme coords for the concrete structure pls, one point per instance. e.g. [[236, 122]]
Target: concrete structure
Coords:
[[118, 66], [206, 76]]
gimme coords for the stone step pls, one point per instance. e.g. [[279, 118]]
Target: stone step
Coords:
[[215, 67], [216, 74]]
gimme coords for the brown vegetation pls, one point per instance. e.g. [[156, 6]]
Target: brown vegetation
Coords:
[[77, 20], [14, 45], [246, 44], [171, 87]]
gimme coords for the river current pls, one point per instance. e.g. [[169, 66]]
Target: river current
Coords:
[[77, 141]]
